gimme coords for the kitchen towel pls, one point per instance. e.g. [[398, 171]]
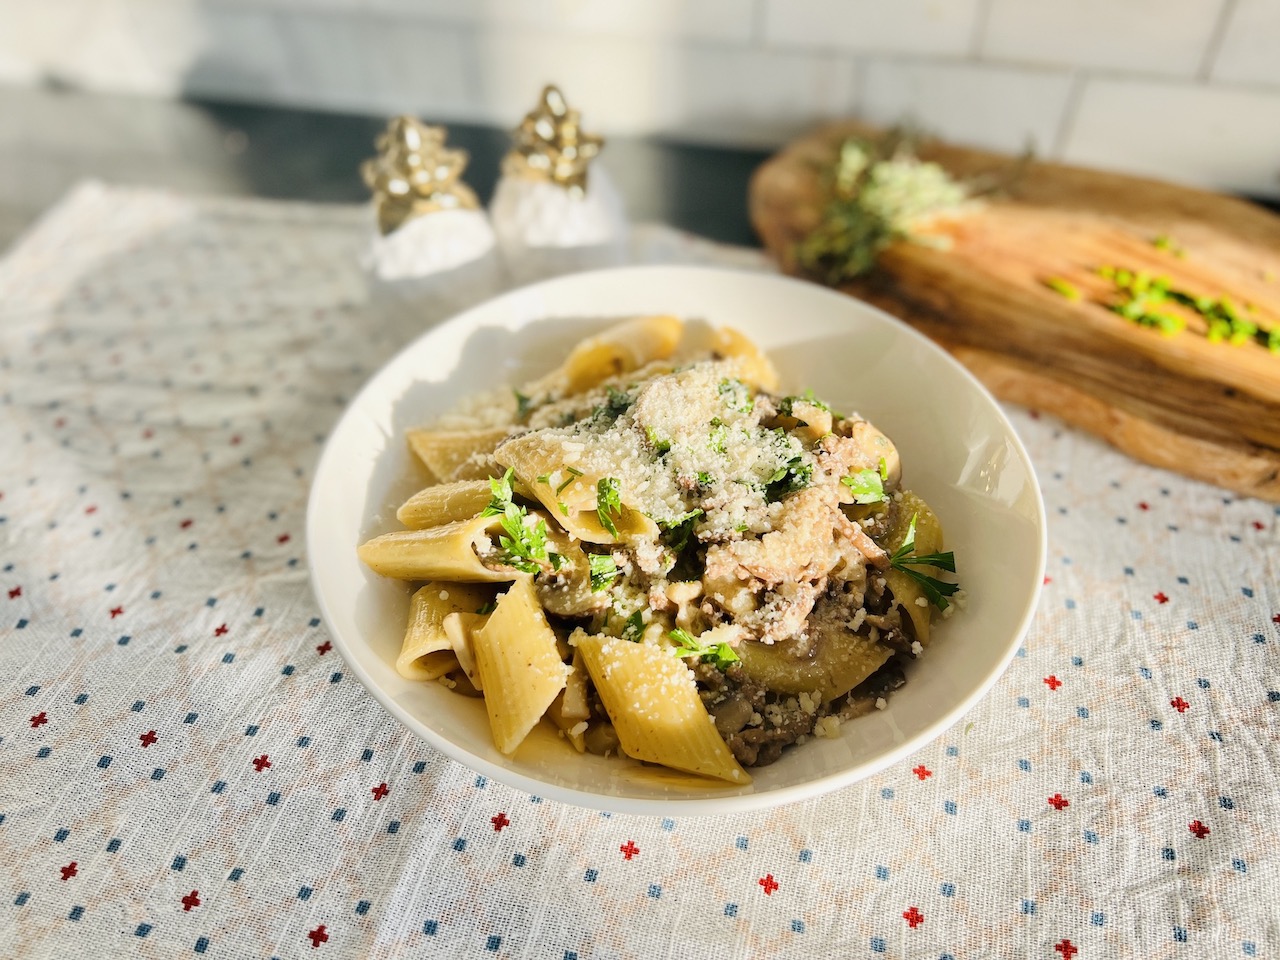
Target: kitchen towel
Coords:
[[186, 768]]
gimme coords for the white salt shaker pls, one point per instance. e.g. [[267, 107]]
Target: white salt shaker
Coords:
[[433, 247], [547, 218]]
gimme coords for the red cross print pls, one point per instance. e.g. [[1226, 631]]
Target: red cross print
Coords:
[[115, 612], [1059, 802], [39, 719], [192, 899], [629, 849], [186, 524], [283, 538], [1144, 505], [1179, 704], [318, 936], [1199, 829], [768, 883], [913, 917], [1067, 949], [1052, 682], [380, 791], [1259, 525], [261, 763], [922, 772], [148, 738], [324, 648], [68, 871], [219, 631], [499, 822], [1276, 618], [15, 593], [1160, 597]]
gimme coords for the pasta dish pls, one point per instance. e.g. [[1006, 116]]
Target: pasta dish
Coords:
[[656, 551]]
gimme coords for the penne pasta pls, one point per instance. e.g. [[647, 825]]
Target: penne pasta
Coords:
[[446, 552], [459, 630], [620, 349], [427, 652], [519, 665], [653, 701], [444, 503], [456, 454]]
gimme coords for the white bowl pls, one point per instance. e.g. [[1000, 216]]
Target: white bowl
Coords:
[[958, 451]]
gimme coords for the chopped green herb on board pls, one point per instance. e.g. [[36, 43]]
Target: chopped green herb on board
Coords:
[[1064, 287]]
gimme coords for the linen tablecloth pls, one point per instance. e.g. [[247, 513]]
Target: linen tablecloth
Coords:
[[187, 769]]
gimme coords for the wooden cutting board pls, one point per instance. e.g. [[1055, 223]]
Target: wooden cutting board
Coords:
[[1207, 410]]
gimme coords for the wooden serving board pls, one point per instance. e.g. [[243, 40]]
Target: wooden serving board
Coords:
[[1206, 410]]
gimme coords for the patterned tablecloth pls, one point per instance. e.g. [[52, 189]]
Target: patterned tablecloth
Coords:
[[186, 769]]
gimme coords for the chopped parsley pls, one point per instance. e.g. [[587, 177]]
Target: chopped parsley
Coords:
[[608, 503], [704, 478], [1063, 287], [791, 476], [718, 436], [787, 404], [677, 530], [633, 629], [660, 446], [523, 405], [1145, 300], [545, 479], [867, 486], [721, 654], [616, 404], [573, 475], [603, 571], [936, 590], [524, 545], [487, 607], [736, 394]]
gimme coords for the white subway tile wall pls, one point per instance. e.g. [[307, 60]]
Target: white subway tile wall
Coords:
[[913, 26], [1228, 138], [980, 104], [1187, 89], [1250, 50], [1154, 37]]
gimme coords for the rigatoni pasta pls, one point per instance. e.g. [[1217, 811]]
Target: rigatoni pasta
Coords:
[[654, 552]]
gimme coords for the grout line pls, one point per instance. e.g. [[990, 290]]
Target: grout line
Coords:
[[1216, 39], [1066, 126], [861, 67], [759, 19], [980, 29]]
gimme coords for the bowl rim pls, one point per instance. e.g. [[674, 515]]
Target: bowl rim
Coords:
[[692, 805]]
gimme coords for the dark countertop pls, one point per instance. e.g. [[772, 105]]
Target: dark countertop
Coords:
[[205, 146], [51, 138]]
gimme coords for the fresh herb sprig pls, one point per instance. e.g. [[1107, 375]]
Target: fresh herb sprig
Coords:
[[609, 503], [936, 590], [525, 545], [604, 570], [687, 645]]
